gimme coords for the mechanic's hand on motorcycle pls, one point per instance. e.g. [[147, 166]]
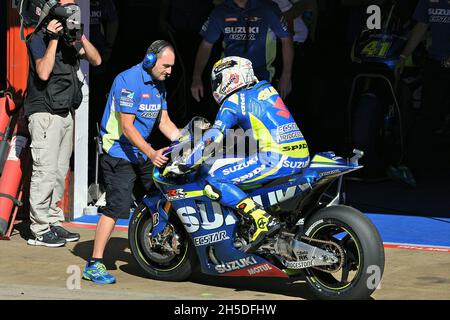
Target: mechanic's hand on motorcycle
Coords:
[[284, 86], [53, 28], [197, 88], [157, 157]]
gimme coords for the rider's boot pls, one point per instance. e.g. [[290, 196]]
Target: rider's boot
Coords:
[[264, 223]]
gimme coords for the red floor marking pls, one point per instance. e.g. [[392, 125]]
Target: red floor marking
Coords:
[[416, 247]]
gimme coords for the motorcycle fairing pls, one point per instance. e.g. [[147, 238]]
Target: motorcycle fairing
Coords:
[[212, 227]]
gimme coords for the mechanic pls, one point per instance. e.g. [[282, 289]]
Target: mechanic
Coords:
[[250, 28], [433, 15], [136, 104], [282, 149]]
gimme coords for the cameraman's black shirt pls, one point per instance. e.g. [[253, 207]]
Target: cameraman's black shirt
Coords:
[[62, 92]]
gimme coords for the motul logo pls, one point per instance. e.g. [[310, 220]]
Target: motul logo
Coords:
[[258, 269]]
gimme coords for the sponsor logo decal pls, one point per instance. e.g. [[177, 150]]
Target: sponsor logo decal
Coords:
[[281, 195], [231, 19], [235, 265], [267, 93], [292, 126], [244, 30], [241, 33], [295, 147], [284, 112], [211, 238], [192, 222], [258, 269], [328, 173], [150, 110], [149, 107], [284, 24], [205, 25], [299, 264], [175, 194], [242, 95], [250, 174], [155, 217], [311, 228], [126, 97], [145, 95], [289, 136], [224, 66], [240, 166], [234, 78], [125, 93], [252, 19], [295, 164]]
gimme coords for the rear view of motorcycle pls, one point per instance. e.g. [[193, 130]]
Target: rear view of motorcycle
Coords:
[[380, 111], [335, 248]]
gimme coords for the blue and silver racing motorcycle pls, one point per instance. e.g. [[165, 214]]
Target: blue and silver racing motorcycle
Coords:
[[180, 226]]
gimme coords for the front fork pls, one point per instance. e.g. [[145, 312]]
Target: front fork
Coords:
[[160, 213]]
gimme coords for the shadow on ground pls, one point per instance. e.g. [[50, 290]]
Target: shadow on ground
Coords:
[[23, 229], [118, 250]]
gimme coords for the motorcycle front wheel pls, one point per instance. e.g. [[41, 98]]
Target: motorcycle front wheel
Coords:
[[168, 257], [359, 270]]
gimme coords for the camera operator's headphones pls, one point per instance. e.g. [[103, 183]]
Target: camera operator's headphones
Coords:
[[152, 52]]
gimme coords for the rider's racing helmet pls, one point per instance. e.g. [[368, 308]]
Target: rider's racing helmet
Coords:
[[229, 74]]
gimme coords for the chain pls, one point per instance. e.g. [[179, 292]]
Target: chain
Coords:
[[341, 254]]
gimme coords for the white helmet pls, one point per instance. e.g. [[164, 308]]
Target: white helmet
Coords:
[[230, 74]]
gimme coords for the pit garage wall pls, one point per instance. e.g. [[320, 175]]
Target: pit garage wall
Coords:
[[80, 180]]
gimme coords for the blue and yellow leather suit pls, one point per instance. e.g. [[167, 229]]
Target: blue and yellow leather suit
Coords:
[[282, 149]]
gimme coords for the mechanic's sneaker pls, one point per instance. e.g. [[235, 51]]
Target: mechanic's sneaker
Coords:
[[48, 239], [264, 223], [65, 234], [97, 273]]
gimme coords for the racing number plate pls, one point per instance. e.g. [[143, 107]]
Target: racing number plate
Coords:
[[376, 48]]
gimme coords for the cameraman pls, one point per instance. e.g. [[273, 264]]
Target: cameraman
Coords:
[[54, 92]]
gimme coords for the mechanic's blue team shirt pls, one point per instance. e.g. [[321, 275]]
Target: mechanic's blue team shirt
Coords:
[[436, 13], [134, 92], [249, 33]]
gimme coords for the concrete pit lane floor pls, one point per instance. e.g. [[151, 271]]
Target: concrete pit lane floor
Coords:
[[29, 272]]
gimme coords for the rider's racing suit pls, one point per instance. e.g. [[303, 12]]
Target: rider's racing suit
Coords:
[[282, 149]]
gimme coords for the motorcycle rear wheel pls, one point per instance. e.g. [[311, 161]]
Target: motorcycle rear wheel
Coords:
[[158, 263], [363, 254]]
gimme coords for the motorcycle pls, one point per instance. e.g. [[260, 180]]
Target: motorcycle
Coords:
[[378, 115], [181, 225]]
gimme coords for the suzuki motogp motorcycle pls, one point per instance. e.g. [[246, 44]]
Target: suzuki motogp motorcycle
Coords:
[[181, 226], [379, 117]]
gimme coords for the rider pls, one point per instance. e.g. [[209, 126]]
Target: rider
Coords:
[[282, 150]]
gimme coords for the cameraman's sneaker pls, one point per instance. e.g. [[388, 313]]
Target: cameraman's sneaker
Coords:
[[97, 273], [65, 234], [48, 239]]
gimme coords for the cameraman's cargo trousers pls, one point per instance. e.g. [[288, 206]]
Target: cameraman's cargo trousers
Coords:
[[51, 149]]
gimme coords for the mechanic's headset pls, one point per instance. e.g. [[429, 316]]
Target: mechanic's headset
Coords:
[[152, 52]]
